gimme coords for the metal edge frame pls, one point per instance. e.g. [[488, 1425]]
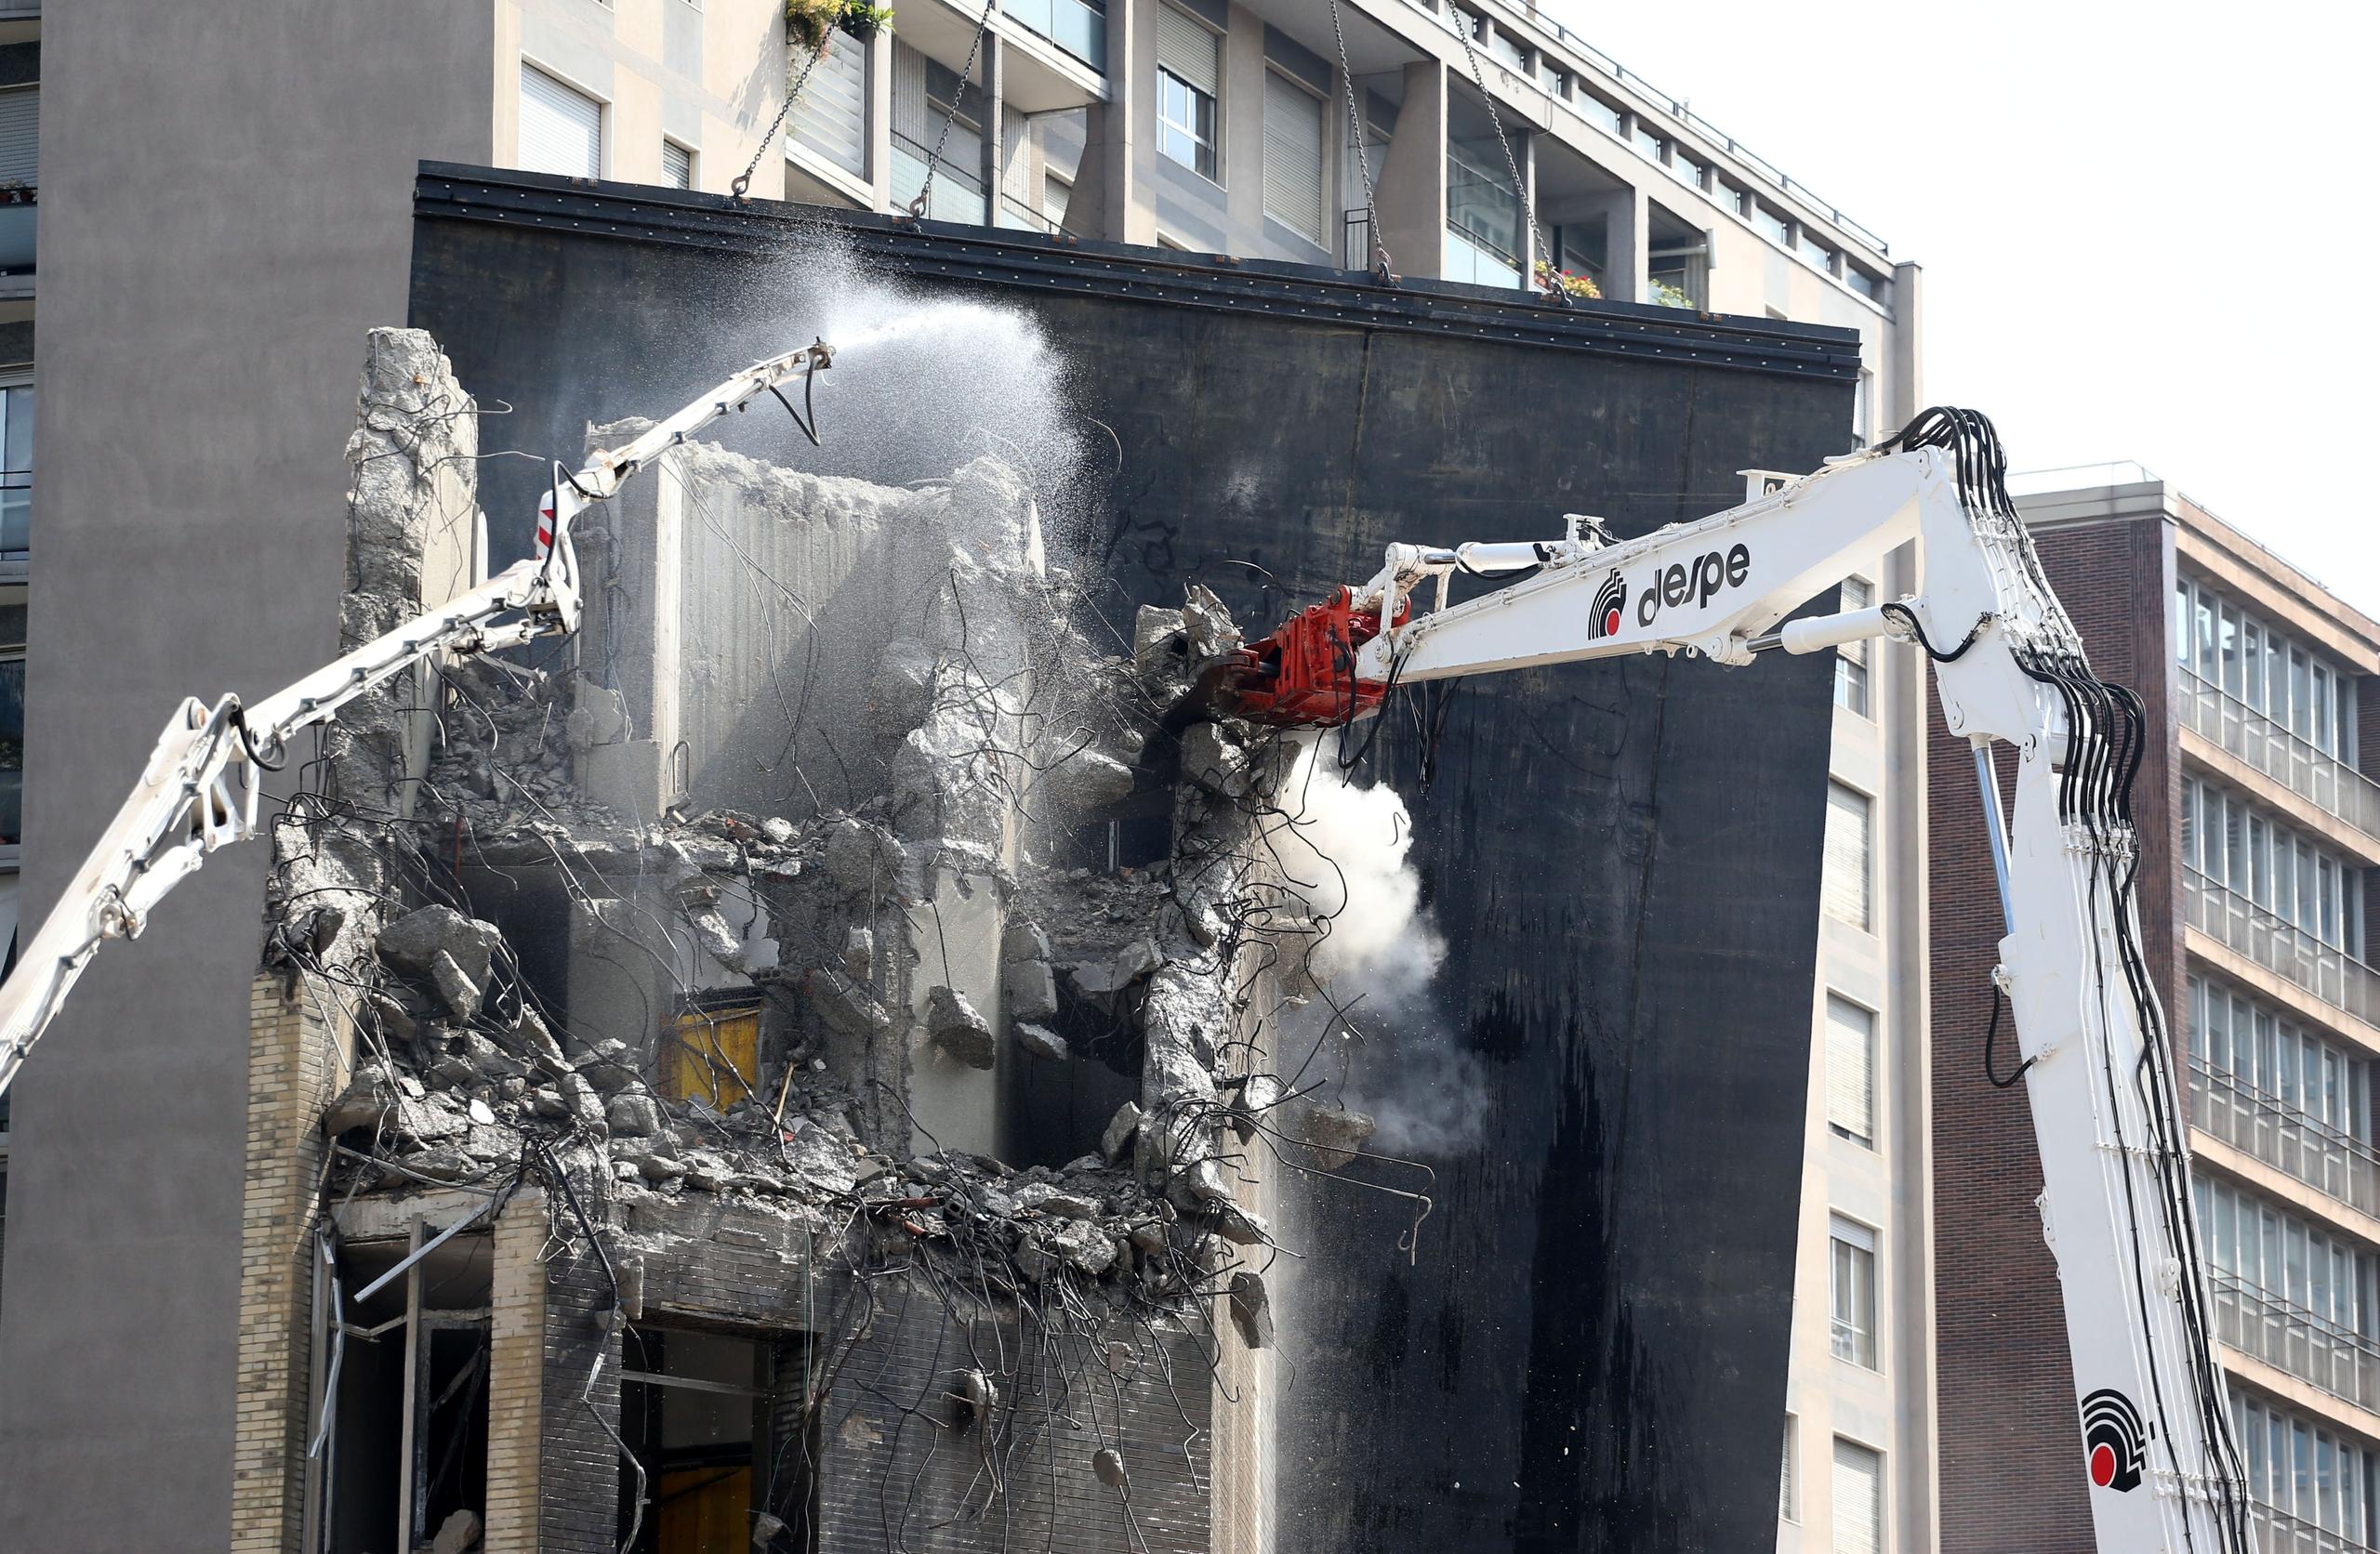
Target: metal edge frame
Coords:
[[757, 229]]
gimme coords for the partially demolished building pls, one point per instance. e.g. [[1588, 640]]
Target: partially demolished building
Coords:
[[635, 1166]]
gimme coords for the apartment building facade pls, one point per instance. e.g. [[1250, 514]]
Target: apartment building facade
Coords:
[[2257, 824], [19, 209]]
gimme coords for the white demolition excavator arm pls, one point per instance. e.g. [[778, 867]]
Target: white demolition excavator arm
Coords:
[[202, 782], [2116, 1208]]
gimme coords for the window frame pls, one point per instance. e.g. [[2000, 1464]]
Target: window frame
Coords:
[[1205, 145], [603, 114], [1866, 921], [1851, 664], [1874, 1019], [1872, 1252]]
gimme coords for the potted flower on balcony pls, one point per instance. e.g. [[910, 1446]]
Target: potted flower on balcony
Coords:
[[1570, 283], [16, 191], [863, 21], [810, 23]]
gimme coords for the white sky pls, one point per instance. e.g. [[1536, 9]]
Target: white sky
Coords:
[[2147, 229]]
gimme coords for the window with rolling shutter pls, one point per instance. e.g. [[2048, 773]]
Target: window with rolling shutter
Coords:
[[1186, 48], [561, 129], [1851, 1292], [1788, 1503], [1293, 157], [1859, 1498], [20, 136], [1848, 887], [1851, 1071], [676, 166], [831, 116]]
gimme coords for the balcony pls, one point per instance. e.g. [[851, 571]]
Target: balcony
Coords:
[[2278, 1533], [2324, 780], [2289, 1337], [20, 219], [2282, 1136], [2325, 970], [1080, 29]]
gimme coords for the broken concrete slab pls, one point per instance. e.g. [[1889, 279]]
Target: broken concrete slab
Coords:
[[1335, 1135], [1104, 977], [1121, 1129], [1251, 1309], [414, 942], [957, 1029], [1029, 989], [1040, 1041]]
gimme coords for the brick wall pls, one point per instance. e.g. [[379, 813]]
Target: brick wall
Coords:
[[516, 1375], [295, 1063], [578, 1463], [2010, 1455]]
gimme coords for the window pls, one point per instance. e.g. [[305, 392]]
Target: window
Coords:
[[1810, 248], [2303, 1471], [1852, 1292], [16, 470], [831, 116], [2255, 1053], [1859, 1498], [1507, 50], [1851, 659], [1647, 144], [676, 166], [20, 174], [2297, 690], [1769, 224], [2267, 861], [1293, 156], [1850, 1071], [1553, 77], [1598, 112], [694, 1408], [561, 129], [1788, 1507], [1847, 891], [1864, 283], [1688, 171], [713, 1054], [1187, 68]]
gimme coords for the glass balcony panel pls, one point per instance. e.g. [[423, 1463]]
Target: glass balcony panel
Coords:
[[2328, 973], [2256, 1123], [1472, 259], [16, 224], [2280, 754], [956, 196], [2282, 1333], [1078, 28]]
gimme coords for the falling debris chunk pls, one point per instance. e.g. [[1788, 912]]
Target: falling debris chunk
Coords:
[[1108, 1463], [1251, 1309], [955, 1026], [1337, 1136]]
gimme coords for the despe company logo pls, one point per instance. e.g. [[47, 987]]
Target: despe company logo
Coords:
[[1610, 600], [2112, 1438], [1695, 583]]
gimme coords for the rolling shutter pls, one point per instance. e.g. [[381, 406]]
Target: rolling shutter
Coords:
[[830, 117], [1846, 890], [676, 166], [562, 130], [20, 136], [1294, 157], [1850, 1070], [1186, 49], [1858, 1499]]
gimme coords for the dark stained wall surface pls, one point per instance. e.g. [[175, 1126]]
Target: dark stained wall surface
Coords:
[[1586, 1349]]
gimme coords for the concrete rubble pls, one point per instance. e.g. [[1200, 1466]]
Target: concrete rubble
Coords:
[[694, 932]]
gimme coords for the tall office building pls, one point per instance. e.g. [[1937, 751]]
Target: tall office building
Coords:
[[2258, 831]]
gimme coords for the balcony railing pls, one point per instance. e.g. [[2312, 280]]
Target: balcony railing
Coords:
[[2279, 1533], [2325, 970], [2311, 1348], [20, 219], [1078, 29], [2280, 755], [2307, 1148]]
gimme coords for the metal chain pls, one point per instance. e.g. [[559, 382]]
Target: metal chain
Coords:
[[1520, 193], [768, 136], [934, 159], [1363, 159]]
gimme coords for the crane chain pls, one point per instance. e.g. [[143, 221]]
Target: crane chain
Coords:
[[768, 136], [933, 158], [1379, 255], [1520, 193]]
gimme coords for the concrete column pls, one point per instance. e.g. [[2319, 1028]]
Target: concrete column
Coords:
[[1242, 112], [1627, 251], [1114, 193], [1530, 237], [516, 1375], [880, 121], [1907, 392], [1411, 194], [995, 95]]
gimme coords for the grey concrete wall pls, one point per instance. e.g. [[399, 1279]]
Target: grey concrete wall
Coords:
[[226, 208]]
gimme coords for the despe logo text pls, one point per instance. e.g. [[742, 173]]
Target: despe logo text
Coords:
[[1695, 583]]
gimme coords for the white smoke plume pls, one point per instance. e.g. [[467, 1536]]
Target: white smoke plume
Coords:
[[1346, 851]]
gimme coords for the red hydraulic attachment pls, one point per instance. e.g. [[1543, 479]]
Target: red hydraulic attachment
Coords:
[[1304, 675]]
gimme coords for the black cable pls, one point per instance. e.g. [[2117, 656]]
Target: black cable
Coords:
[[1990, 1039], [1908, 617]]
